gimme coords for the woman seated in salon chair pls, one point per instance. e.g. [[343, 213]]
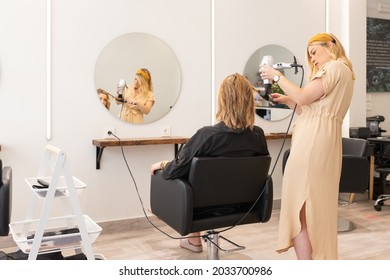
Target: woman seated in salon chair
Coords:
[[235, 135]]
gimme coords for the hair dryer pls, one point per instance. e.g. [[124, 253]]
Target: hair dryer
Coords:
[[266, 61], [120, 88]]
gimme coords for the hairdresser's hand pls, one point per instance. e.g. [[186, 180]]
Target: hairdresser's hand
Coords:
[[280, 98], [284, 99], [268, 73], [131, 101]]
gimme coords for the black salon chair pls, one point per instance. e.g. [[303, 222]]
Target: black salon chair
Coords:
[[5, 198], [219, 192], [355, 157], [384, 171], [355, 172]]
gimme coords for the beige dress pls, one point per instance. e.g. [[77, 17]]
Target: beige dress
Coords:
[[129, 113], [312, 172]]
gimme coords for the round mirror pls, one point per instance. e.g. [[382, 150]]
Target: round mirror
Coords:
[[265, 109], [122, 59]]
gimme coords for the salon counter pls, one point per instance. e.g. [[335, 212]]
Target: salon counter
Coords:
[[177, 141]]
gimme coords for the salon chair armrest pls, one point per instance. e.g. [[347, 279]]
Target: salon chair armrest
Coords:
[[266, 201], [178, 213]]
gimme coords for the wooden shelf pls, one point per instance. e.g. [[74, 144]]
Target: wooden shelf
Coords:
[[112, 142], [101, 144], [275, 136], [139, 141]]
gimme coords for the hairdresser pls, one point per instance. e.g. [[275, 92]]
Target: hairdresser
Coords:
[[138, 99], [308, 217], [235, 135]]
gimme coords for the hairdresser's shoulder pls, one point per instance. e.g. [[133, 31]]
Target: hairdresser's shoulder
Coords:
[[338, 63], [339, 67]]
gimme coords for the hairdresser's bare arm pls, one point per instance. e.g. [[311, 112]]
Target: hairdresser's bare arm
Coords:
[[302, 96]]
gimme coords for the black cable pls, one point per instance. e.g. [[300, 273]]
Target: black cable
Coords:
[[138, 194], [284, 140], [288, 127]]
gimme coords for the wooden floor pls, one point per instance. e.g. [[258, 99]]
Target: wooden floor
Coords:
[[369, 241]]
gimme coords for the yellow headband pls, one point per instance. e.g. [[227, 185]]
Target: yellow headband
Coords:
[[322, 37], [144, 74]]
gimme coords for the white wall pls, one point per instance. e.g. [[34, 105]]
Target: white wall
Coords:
[[81, 29], [346, 19], [378, 102]]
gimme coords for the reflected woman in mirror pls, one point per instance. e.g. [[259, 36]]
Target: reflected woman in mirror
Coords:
[[138, 99], [235, 135], [309, 204], [104, 97]]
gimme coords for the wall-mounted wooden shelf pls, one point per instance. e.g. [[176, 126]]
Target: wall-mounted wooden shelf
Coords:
[[101, 144], [112, 142]]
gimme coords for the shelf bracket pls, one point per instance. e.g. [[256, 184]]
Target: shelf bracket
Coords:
[[99, 153]]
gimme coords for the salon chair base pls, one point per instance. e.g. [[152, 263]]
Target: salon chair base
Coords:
[[344, 225], [213, 246]]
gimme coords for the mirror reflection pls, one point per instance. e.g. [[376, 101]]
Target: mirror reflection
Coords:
[[137, 78], [265, 109]]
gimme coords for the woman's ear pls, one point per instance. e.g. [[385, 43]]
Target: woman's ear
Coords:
[[330, 45]]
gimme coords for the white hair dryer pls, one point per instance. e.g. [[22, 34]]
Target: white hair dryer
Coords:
[[267, 61], [120, 88]]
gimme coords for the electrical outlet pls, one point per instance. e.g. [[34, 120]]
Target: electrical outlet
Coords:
[[165, 131], [107, 129]]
